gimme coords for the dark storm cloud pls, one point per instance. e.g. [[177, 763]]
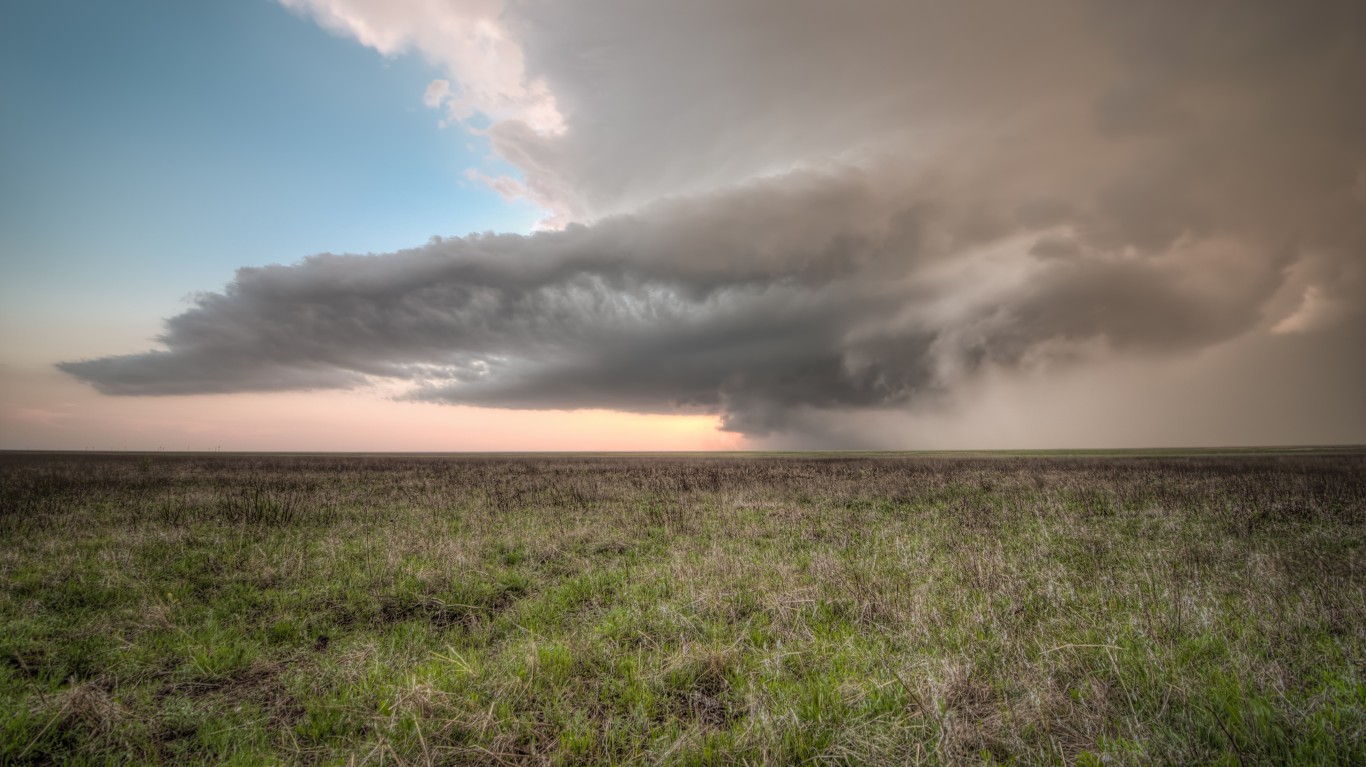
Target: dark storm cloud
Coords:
[[741, 306], [815, 292], [871, 203]]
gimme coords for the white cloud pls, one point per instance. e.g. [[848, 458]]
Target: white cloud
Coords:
[[437, 93], [506, 186], [466, 38], [1316, 311]]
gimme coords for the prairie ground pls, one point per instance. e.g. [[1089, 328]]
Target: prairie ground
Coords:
[[885, 609]]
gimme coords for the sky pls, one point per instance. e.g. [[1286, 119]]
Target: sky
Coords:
[[455, 225]]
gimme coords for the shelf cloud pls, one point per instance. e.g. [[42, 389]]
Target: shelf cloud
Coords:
[[766, 209]]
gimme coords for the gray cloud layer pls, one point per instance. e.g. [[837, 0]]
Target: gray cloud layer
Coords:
[[812, 206]]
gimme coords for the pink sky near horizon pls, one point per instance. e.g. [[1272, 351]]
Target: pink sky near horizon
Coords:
[[42, 410]]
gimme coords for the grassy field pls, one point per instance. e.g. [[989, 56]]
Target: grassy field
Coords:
[[1117, 609]]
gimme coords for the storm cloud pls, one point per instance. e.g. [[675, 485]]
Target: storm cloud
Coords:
[[769, 209]]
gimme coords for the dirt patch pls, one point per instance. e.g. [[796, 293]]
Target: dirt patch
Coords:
[[442, 614], [706, 697], [259, 684]]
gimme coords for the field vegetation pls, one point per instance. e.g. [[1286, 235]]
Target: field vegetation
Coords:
[[689, 610]]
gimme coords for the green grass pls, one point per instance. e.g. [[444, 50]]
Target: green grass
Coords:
[[689, 610]]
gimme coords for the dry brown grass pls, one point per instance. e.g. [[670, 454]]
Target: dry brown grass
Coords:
[[683, 609]]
